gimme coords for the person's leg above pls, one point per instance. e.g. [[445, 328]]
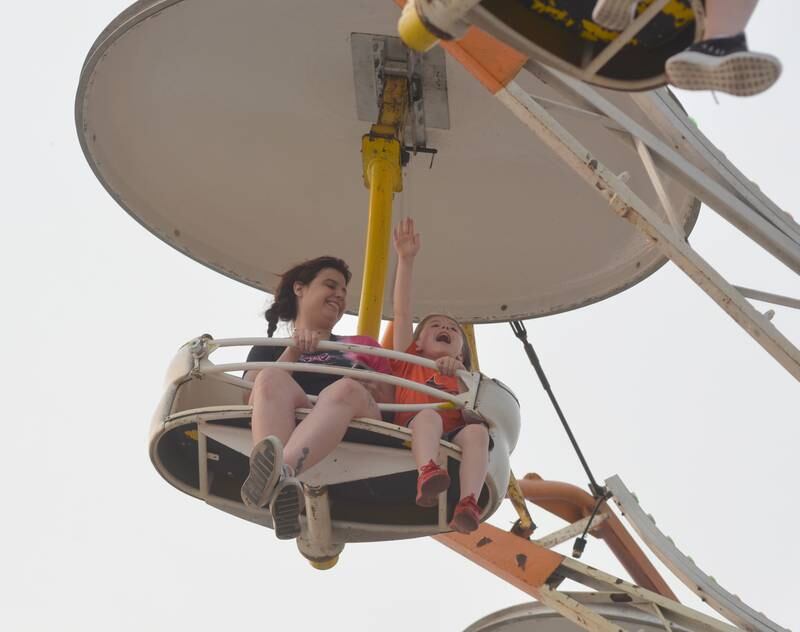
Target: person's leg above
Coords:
[[722, 60], [274, 398], [726, 18], [432, 480], [313, 439], [474, 443]]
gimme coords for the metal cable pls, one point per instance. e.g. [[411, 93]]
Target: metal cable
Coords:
[[598, 491]]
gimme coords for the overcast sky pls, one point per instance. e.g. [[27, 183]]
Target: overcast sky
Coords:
[[660, 385]]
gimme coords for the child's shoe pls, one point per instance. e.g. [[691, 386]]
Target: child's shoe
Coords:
[[265, 468], [431, 482], [724, 64], [614, 15], [466, 515], [286, 504]]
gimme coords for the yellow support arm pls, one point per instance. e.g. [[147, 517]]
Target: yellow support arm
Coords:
[[381, 152]]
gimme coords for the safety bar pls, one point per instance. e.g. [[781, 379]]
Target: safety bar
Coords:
[[204, 346]]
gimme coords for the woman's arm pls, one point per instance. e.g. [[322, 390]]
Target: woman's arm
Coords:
[[406, 245]]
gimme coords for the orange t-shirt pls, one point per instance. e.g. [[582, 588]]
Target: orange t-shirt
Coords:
[[451, 418]]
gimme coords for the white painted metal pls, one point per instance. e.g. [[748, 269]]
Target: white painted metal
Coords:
[[674, 611], [445, 15], [575, 611], [631, 207], [201, 396], [487, 398], [605, 55], [682, 133], [570, 531], [705, 587], [202, 463], [538, 617], [771, 228], [652, 173], [205, 124], [209, 368], [316, 542], [768, 297]]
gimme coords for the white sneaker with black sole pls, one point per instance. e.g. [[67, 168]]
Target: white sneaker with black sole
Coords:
[[286, 505], [614, 15], [723, 65]]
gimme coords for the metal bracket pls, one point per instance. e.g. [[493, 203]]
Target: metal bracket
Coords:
[[378, 57]]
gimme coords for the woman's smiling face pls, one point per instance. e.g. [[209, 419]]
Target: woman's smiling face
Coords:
[[321, 303], [440, 336]]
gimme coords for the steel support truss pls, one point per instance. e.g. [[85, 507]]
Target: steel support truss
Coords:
[[535, 569], [719, 186]]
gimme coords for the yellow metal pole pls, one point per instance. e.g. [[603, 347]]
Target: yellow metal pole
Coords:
[[376, 258], [469, 329], [381, 152], [524, 526]]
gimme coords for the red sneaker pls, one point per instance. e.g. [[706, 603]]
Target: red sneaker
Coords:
[[466, 515], [431, 482]]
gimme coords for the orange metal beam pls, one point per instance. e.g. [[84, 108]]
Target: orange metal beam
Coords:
[[515, 560]]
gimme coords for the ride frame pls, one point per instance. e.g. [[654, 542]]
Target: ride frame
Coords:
[[530, 566]]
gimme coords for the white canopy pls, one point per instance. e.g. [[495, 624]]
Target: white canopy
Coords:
[[229, 130]]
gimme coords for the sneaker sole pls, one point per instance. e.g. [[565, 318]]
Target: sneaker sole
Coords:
[[265, 466], [613, 15], [285, 509], [429, 494], [741, 74], [463, 524]]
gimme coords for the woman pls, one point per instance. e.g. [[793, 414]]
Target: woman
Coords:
[[311, 296]]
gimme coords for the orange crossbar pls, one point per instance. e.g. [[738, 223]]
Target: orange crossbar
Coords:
[[513, 559], [527, 566]]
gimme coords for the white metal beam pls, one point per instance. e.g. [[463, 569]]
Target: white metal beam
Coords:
[[728, 605], [619, 42], [778, 240], [629, 206]]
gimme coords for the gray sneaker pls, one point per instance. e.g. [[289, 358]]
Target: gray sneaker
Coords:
[[614, 15], [285, 507], [266, 461]]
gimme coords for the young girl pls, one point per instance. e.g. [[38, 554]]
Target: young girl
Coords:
[[440, 338]]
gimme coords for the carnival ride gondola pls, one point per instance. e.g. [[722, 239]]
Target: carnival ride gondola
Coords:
[[561, 34], [227, 129]]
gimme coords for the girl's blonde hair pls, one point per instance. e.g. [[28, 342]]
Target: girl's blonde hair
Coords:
[[466, 351]]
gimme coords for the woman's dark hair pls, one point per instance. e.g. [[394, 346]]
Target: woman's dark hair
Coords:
[[284, 307]]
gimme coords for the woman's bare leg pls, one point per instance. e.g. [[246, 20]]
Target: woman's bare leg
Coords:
[[726, 18], [274, 398], [426, 431], [322, 430], [474, 443]]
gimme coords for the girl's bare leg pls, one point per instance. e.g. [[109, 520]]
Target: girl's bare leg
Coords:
[[474, 443], [322, 430], [726, 18], [274, 398], [426, 430]]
